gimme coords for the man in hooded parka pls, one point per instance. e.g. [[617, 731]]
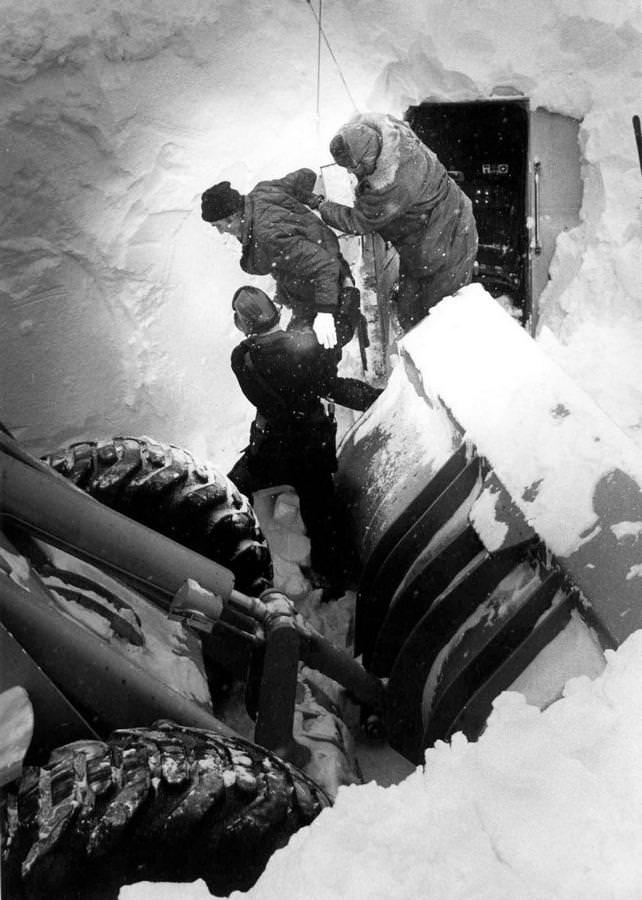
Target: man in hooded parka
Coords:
[[405, 194], [281, 237]]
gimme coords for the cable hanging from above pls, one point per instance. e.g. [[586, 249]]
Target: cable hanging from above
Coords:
[[319, 31], [322, 34]]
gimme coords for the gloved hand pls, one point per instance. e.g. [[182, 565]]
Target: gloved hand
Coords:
[[314, 200], [325, 330]]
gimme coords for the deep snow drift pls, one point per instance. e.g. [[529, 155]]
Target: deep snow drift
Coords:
[[115, 300], [545, 805], [115, 116]]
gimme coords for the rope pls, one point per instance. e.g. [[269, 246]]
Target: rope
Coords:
[[319, 60], [323, 35]]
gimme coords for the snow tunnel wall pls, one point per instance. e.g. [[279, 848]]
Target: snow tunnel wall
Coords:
[[115, 297], [114, 117]]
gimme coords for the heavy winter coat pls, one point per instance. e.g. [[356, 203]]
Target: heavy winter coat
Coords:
[[411, 201], [283, 238], [292, 440], [285, 373]]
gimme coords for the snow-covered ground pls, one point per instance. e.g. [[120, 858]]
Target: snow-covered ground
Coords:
[[115, 299], [545, 805]]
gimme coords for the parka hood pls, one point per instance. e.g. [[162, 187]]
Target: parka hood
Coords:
[[372, 138]]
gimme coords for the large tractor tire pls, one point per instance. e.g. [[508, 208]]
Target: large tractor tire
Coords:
[[165, 488], [166, 803]]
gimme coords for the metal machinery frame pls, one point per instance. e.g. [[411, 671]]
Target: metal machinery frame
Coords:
[[79, 685]]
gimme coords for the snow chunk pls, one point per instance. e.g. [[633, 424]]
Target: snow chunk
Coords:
[[163, 890]]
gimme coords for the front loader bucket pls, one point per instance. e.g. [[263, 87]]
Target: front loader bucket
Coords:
[[496, 512]]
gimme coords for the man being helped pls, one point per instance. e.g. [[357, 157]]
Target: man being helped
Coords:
[[284, 374], [282, 237]]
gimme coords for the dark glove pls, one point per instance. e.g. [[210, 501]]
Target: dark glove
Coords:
[[349, 304], [314, 201]]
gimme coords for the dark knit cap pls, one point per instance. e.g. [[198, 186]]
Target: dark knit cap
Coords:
[[219, 202], [254, 312]]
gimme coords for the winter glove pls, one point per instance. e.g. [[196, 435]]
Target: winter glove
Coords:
[[325, 330], [314, 201]]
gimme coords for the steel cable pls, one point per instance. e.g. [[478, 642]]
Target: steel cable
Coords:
[[322, 34]]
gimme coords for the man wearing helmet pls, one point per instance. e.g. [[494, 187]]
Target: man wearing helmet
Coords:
[[284, 374]]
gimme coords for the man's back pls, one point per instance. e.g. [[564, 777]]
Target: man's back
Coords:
[[285, 373], [283, 238], [292, 439], [282, 373]]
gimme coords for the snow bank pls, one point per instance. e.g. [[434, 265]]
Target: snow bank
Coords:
[[115, 116], [115, 297], [545, 804]]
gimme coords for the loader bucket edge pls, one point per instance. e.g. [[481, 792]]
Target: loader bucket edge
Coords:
[[558, 472]]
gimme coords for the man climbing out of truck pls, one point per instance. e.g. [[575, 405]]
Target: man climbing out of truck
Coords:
[[284, 374], [405, 194], [280, 236]]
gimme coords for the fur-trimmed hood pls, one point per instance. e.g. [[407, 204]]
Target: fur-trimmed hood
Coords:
[[404, 194], [393, 135]]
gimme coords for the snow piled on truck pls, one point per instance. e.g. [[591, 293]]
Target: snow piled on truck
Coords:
[[547, 440]]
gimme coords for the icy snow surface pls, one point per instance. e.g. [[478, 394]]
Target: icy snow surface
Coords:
[[115, 298]]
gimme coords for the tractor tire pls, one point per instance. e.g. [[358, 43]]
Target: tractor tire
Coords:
[[165, 488], [166, 803]]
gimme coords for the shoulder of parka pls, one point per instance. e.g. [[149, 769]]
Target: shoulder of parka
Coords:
[[302, 181], [298, 184], [238, 354]]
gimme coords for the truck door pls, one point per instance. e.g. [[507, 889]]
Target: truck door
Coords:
[[521, 170]]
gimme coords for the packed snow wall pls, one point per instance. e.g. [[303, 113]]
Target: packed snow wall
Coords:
[[114, 117]]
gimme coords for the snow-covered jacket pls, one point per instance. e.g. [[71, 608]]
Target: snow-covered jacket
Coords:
[[282, 237], [409, 199]]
